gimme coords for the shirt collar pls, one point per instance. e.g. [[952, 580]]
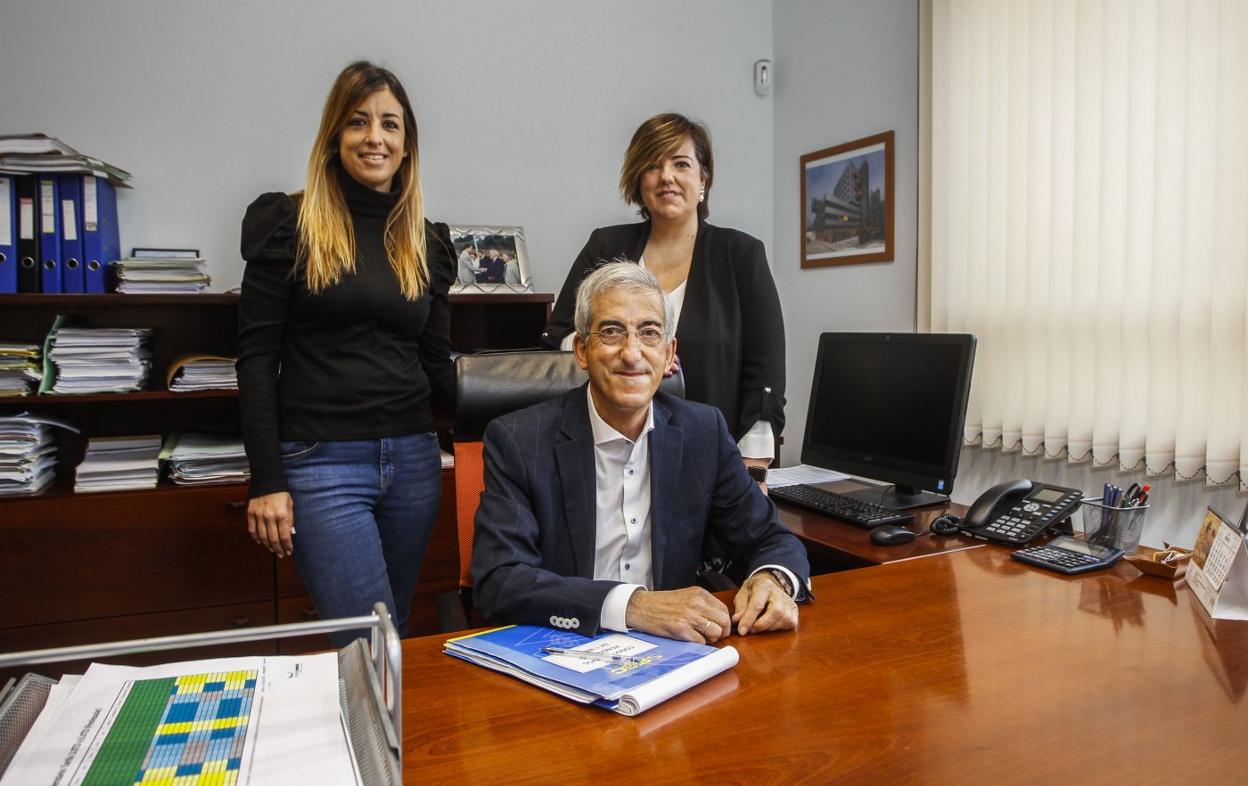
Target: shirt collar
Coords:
[[603, 432]]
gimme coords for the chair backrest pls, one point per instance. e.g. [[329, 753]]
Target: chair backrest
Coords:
[[491, 385]]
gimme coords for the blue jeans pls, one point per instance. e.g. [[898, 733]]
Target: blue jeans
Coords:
[[364, 510]]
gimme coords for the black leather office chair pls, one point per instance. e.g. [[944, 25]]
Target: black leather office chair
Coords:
[[490, 385]]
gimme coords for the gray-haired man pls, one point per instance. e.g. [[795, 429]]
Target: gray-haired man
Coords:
[[597, 502]]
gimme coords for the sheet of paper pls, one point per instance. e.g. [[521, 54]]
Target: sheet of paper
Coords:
[[624, 646], [801, 473]]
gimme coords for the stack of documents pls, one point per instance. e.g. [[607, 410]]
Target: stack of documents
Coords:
[[627, 673], [20, 369], [201, 459], [34, 154], [100, 360], [27, 453], [274, 720], [202, 372], [168, 275], [119, 464]]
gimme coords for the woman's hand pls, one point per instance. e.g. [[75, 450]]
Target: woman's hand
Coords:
[[674, 368], [271, 522]]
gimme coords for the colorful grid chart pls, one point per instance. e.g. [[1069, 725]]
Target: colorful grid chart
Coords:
[[180, 731]]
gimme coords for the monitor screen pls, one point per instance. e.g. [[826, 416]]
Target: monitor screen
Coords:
[[891, 407]]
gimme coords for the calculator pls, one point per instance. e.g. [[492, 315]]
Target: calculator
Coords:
[[1069, 555]]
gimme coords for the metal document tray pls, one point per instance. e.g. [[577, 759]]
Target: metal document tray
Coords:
[[369, 685]]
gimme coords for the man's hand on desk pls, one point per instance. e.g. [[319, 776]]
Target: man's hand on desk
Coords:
[[270, 520], [690, 614], [762, 604]]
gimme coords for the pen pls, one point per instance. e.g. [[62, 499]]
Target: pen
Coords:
[[1107, 502], [1132, 492], [591, 655]]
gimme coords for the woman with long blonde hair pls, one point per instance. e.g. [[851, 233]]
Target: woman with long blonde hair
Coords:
[[343, 351]]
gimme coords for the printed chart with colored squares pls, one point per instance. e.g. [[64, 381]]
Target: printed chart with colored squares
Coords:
[[179, 731]]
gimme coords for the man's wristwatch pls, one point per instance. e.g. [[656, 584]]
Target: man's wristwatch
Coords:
[[782, 580], [759, 474]]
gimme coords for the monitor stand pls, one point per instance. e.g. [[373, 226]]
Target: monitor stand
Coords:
[[898, 497]]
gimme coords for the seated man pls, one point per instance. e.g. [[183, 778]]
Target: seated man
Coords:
[[597, 502]]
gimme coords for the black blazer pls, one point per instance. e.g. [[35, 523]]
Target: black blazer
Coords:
[[731, 333], [535, 533]]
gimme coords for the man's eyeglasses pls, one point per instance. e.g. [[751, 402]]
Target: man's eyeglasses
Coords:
[[614, 335]]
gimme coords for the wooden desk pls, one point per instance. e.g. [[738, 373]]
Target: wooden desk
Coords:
[[962, 667], [836, 545]]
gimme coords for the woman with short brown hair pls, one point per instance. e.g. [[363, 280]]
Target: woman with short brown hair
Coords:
[[730, 330]]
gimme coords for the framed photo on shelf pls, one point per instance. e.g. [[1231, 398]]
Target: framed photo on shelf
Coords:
[[490, 259], [847, 203]]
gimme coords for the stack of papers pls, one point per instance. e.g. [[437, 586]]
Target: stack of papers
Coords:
[[119, 464], [202, 372], [628, 673], [27, 453], [20, 369], [274, 720], [201, 459], [100, 360], [33, 154], [171, 275]]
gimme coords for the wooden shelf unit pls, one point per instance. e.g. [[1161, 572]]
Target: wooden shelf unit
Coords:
[[91, 567]]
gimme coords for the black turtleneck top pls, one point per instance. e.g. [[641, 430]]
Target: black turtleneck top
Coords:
[[358, 360]]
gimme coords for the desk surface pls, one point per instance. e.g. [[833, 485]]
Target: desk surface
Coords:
[[837, 545], [960, 667]]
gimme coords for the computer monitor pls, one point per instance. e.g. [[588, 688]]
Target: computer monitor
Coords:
[[891, 407]]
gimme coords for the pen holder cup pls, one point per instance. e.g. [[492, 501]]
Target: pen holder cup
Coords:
[[1118, 528]]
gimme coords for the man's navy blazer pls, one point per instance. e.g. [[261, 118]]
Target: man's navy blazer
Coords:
[[533, 549]]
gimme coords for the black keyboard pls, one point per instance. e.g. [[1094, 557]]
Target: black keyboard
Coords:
[[855, 511]]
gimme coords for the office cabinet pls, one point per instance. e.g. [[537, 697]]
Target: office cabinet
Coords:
[[85, 568]]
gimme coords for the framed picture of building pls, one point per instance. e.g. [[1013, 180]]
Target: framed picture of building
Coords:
[[847, 203], [490, 259]]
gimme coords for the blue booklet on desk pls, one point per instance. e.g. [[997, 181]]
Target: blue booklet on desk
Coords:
[[625, 672]]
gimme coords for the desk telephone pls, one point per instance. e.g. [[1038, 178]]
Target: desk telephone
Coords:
[[1016, 511]]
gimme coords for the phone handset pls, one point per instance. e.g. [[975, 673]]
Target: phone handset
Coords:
[[978, 516]]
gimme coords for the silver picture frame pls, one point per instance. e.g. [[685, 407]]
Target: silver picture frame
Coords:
[[490, 259]]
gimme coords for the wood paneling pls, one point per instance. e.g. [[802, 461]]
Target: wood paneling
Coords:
[[77, 557]]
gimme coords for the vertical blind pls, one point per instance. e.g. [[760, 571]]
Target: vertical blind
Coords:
[[1089, 222]]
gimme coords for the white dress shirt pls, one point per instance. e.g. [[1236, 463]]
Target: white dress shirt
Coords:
[[622, 523]]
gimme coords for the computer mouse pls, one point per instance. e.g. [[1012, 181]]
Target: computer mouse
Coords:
[[891, 535]]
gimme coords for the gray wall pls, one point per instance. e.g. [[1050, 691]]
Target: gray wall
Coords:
[[524, 108], [844, 70]]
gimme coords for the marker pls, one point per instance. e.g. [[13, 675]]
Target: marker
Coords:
[[601, 657]]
